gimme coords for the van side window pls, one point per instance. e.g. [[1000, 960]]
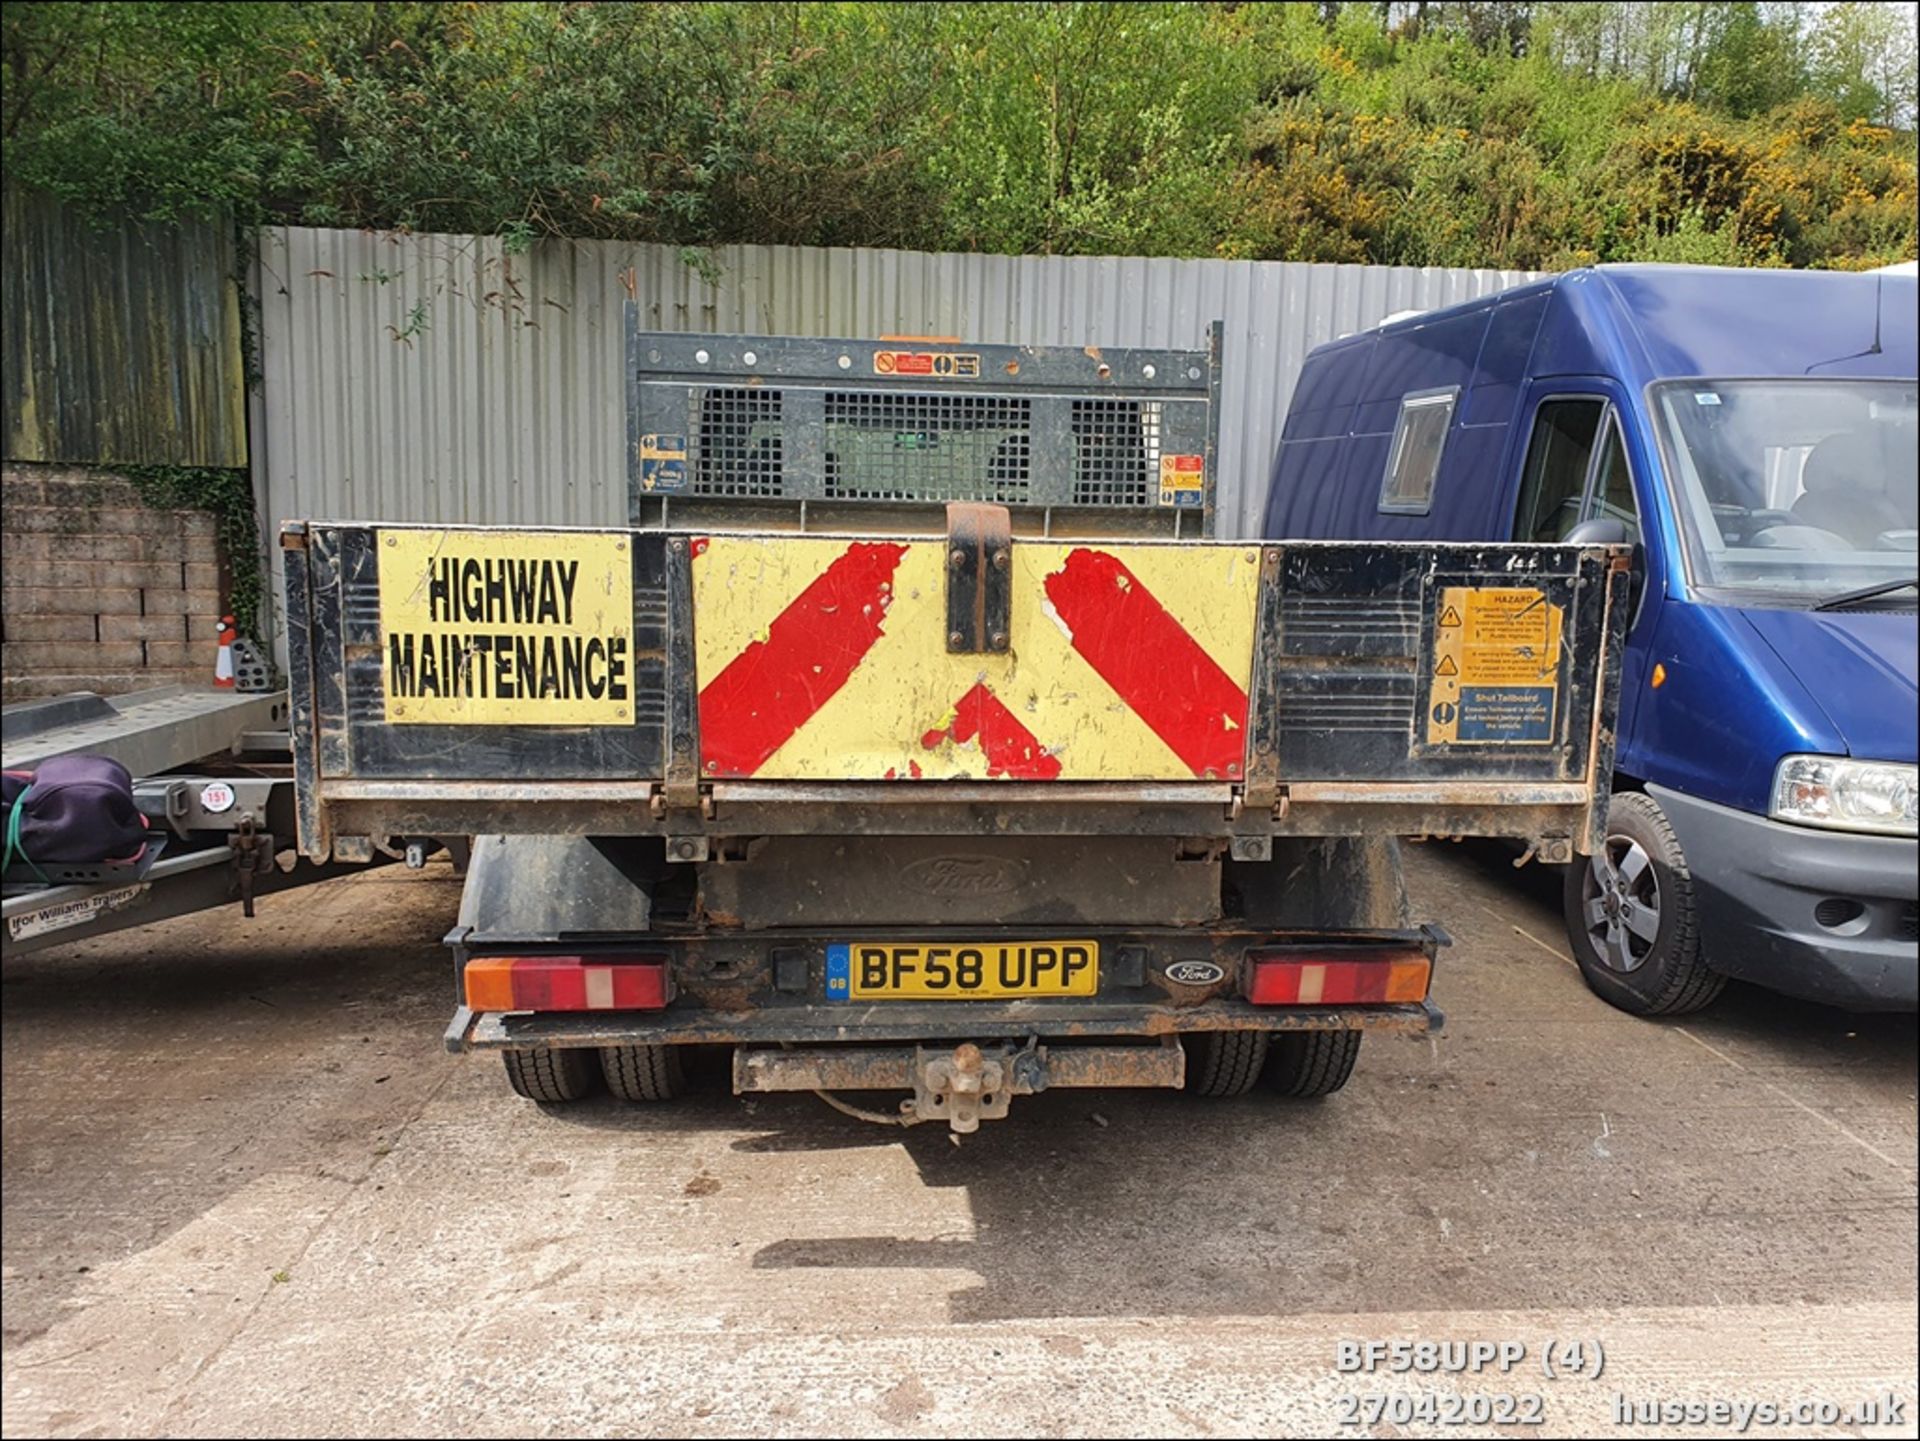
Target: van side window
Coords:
[[1554, 484], [1413, 460], [1613, 483]]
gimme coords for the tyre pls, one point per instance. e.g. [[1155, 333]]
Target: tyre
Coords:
[[549, 1076], [1224, 1063], [643, 1073], [1306, 1064], [1630, 916]]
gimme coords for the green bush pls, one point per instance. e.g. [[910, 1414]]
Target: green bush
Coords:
[[1493, 134]]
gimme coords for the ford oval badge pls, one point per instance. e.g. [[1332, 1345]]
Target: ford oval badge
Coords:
[[1194, 973]]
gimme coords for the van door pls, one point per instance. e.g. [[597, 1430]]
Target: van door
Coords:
[[1576, 468]]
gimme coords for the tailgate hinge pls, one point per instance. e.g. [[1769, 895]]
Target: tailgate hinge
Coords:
[[1258, 798], [979, 578], [677, 805], [675, 796], [1254, 807]]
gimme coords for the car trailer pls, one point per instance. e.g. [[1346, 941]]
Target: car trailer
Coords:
[[214, 778]]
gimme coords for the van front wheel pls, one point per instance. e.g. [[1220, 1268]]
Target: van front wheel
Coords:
[[1630, 916]]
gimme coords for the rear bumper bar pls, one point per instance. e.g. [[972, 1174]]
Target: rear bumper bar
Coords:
[[905, 1022], [1024, 1073], [771, 988]]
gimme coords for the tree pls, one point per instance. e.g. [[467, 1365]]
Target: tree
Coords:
[[1077, 127], [1424, 132], [1753, 58], [1863, 61]]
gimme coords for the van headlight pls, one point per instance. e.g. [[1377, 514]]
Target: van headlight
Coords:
[[1847, 795]]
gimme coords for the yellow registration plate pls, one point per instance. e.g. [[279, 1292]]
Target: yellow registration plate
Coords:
[[961, 971]]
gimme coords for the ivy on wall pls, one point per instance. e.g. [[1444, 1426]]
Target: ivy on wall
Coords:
[[227, 495]]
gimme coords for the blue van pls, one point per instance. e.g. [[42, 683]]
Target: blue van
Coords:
[[1754, 434]]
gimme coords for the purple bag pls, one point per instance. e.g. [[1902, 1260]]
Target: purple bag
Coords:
[[74, 810]]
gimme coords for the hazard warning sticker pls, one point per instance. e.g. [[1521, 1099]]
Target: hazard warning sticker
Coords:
[[506, 628], [1495, 667], [663, 463], [1183, 480], [940, 364]]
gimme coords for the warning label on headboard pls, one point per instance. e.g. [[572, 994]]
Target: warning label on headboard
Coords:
[[1496, 667]]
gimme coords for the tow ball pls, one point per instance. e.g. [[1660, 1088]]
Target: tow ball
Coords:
[[963, 1088]]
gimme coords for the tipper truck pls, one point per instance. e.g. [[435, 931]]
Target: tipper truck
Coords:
[[917, 734]]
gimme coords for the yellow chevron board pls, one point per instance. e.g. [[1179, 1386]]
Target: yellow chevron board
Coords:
[[824, 658]]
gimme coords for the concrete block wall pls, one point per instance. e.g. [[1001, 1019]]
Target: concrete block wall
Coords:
[[99, 591]]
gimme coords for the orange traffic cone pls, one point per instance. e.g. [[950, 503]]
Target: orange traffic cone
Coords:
[[223, 664]]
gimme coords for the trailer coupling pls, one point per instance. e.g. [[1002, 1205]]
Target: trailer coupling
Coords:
[[962, 1086]]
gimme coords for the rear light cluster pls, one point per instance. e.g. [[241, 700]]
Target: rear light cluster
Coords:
[[1336, 978], [1346, 977], [568, 983]]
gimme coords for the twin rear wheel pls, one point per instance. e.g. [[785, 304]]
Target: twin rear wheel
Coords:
[[1219, 1063], [1301, 1064], [633, 1073]]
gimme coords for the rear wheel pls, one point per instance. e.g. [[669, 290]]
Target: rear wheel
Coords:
[[550, 1076], [1306, 1064], [1630, 916], [1224, 1063], [643, 1073]]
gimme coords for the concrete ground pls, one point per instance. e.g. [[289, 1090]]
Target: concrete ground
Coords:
[[246, 1192]]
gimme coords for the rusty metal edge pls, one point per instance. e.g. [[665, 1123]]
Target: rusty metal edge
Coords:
[[863, 1068], [621, 808], [495, 1030], [1150, 793]]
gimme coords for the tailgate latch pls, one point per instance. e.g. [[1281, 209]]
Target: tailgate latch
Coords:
[[979, 578]]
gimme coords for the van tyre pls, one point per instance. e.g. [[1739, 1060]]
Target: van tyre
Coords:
[[1631, 917], [1225, 1063], [1306, 1064], [551, 1076], [643, 1073]]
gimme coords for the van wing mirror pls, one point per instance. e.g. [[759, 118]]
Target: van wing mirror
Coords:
[[1601, 530]]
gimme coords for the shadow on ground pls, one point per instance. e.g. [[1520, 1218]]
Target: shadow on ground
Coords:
[[1546, 1151]]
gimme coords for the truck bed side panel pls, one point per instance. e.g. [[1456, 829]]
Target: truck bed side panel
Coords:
[[550, 681]]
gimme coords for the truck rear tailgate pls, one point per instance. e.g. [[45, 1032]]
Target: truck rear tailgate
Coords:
[[696, 684]]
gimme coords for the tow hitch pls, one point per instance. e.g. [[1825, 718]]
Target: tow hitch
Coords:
[[964, 1086]]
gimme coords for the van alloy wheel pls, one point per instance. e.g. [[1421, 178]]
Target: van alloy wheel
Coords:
[[1631, 918], [1621, 903]]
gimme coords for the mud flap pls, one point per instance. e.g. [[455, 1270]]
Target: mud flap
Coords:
[[545, 887]]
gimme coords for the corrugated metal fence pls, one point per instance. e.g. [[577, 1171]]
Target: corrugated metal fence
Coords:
[[122, 341], [437, 378]]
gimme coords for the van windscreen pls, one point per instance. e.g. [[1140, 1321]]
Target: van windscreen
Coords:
[[1792, 488]]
